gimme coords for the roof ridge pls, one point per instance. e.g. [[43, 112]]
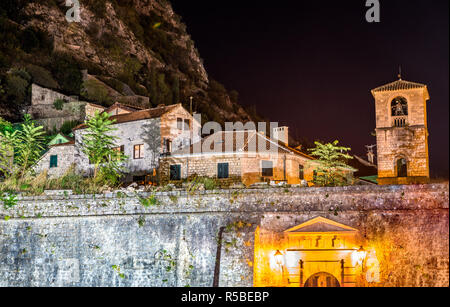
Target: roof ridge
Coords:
[[398, 85]]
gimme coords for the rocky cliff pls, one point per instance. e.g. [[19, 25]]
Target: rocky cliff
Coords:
[[135, 47]]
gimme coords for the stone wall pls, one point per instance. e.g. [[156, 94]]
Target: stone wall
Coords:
[[185, 239], [44, 96]]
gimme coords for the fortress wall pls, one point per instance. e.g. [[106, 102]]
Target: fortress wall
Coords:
[[113, 240]]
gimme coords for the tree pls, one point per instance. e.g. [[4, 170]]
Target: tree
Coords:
[[331, 165], [7, 141], [28, 145], [98, 144]]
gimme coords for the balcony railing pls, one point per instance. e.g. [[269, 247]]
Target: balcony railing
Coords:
[[399, 121]]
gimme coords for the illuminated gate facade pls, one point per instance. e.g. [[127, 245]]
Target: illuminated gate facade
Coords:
[[317, 253]]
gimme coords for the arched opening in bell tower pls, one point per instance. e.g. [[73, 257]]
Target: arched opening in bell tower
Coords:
[[399, 108]]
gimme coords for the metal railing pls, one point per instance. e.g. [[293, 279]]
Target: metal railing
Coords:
[[399, 121]]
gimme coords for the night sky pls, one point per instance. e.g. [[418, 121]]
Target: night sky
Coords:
[[310, 65]]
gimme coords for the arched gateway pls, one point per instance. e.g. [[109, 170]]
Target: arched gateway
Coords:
[[317, 253], [322, 280]]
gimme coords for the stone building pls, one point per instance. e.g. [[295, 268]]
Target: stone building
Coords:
[[402, 132], [143, 136], [240, 156], [57, 160], [45, 110]]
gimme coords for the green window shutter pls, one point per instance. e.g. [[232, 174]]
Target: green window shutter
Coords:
[[223, 170], [175, 172], [53, 161]]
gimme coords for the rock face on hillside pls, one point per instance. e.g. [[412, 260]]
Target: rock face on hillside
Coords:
[[83, 39], [136, 47]]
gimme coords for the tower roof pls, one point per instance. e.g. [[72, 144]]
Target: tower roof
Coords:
[[400, 85]]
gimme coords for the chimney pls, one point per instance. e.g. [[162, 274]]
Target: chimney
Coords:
[[281, 134]]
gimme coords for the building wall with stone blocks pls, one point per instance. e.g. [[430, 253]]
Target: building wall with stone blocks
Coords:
[[200, 166], [143, 132], [65, 160], [112, 240], [179, 137], [246, 168], [91, 109], [409, 141], [44, 96]]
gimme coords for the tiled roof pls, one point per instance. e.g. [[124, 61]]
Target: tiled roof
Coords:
[[96, 105], [242, 141], [64, 144], [364, 168], [138, 115], [398, 86], [126, 107]]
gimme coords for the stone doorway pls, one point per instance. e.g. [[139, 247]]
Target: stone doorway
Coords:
[[322, 280]]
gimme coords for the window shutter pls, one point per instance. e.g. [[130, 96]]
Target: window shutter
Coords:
[[53, 161], [175, 172], [223, 171]]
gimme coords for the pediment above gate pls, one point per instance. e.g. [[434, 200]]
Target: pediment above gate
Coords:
[[321, 225]]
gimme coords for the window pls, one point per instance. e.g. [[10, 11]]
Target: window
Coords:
[[53, 161], [222, 170], [402, 168], [187, 125], [120, 149], [175, 172], [267, 168], [138, 151], [167, 145], [301, 172], [179, 123]]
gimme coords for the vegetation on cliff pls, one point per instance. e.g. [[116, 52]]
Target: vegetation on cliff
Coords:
[[135, 47]]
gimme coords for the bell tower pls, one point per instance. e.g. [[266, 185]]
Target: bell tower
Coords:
[[402, 132]]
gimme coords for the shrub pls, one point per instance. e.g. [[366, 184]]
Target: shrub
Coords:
[[58, 104], [67, 72], [67, 126], [95, 91], [42, 76], [17, 89], [9, 200]]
